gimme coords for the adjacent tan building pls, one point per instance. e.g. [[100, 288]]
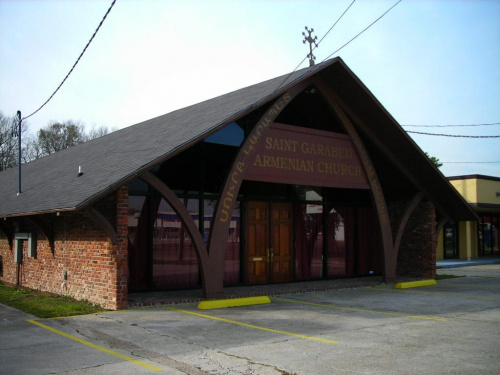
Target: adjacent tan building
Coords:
[[473, 239]]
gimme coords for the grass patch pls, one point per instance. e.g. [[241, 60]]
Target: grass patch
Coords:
[[44, 305], [444, 277]]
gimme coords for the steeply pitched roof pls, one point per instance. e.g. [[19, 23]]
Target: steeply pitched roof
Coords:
[[52, 184]]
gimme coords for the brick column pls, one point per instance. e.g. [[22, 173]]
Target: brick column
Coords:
[[122, 272]]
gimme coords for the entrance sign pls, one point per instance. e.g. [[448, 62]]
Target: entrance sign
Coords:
[[300, 156]]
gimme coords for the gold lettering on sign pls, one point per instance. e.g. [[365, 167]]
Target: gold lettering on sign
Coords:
[[325, 150], [281, 144], [312, 156], [229, 197], [279, 162], [339, 169]]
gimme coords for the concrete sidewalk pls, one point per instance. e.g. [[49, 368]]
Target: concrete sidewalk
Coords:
[[456, 263], [150, 299]]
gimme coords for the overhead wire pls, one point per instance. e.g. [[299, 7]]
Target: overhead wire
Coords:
[[74, 65], [470, 162], [450, 126], [456, 135], [366, 28]]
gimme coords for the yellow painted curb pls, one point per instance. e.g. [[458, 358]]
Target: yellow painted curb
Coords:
[[233, 302], [415, 284]]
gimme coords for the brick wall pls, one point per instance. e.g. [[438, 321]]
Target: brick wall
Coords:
[[85, 264], [417, 252]]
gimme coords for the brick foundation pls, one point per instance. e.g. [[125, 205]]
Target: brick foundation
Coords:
[[85, 264]]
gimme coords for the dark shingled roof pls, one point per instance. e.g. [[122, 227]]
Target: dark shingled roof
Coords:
[[52, 184]]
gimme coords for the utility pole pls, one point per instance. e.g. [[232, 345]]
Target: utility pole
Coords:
[[19, 120], [308, 38]]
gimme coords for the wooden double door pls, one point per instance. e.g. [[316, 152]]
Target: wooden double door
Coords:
[[268, 245]]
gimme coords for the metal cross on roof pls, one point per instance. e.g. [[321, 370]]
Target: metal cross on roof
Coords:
[[311, 41]]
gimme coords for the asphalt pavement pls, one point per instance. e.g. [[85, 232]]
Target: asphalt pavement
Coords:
[[450, 328]]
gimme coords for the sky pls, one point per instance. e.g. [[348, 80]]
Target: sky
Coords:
[[428, 62]]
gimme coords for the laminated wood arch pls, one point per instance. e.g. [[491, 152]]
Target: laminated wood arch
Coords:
[[227, 201], [46, 230], [390, 258], [102, 222], [186, 219], [8, 232]]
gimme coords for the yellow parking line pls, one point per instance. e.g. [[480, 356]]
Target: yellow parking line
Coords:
[[438, 294], [254, 326], [358, 310], [97, 347]]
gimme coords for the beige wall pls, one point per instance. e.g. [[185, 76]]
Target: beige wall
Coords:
[[467, 240], [467, 189], [440, 245], [486, 191], [477, 190]]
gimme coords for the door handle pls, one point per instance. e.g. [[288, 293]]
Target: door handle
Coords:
[[270, 253]]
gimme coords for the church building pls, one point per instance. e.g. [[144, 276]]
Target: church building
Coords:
[[301, 177]]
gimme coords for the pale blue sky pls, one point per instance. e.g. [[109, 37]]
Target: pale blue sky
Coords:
[[427, 62]]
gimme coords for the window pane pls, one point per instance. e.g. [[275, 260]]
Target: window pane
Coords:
[[175, 262], [232, 263], [337, 242], [309, 242], [137, 242]]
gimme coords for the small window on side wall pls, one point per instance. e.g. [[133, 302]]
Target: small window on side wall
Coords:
[[32, 245]]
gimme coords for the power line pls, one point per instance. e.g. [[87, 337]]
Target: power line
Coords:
[[370, 25], [456, 135], [450, 126], [74, 65], [470, 162], [342, 15]]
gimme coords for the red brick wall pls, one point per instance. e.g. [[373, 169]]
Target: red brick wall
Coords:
[[96, 270], [417, 252]]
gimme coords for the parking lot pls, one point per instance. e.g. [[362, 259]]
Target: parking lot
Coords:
[[451, 328]]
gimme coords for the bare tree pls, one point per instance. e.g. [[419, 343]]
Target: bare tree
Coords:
[[9, 141], [54, 137], [96, 132]]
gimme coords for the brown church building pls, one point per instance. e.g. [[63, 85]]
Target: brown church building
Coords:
[[302, 177]]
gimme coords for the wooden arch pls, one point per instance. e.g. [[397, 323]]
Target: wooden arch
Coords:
[[389, 256], [186, 219], [227, 201], [212, 261]]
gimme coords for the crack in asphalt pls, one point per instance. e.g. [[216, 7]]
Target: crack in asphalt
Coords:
[[137, 351]]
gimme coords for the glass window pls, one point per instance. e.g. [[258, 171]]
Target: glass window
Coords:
[[495, 220], [309, 242], [450, 241], [232, 263], [138, 213], [231, 135], [368, 255], [138, 187], [489, 234], [308, 193], [339, 240], [175, 262]]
